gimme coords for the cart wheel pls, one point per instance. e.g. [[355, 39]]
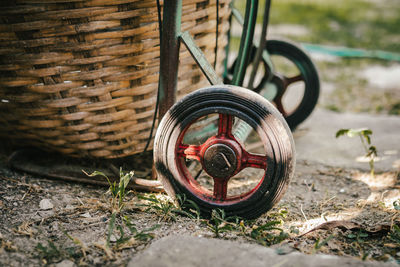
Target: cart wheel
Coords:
[[294, 85], [225, 175]]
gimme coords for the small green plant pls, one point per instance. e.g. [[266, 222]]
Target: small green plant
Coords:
[[396, 205], [219, 223], [72, 251], [394, 234], [319, 244], [358, 237], [268, 234], [365, 138], [188, 207], [119, 223], [118, 192], [124, 239], [167, 209], [49, 252], [164, 207], [144, 235]]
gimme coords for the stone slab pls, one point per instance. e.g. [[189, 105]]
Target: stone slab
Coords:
[[189, 251], [316, 142]]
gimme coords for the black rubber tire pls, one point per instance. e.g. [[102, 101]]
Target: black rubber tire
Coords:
[[311, 79], [254, 110]]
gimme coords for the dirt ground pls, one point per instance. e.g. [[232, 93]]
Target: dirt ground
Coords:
[[45, 222]]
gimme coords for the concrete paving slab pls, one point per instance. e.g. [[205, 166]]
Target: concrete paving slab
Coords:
[[191, 251], [315, 140]]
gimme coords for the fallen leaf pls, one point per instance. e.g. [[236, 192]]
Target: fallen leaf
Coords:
[[349, 225], [391, 245]]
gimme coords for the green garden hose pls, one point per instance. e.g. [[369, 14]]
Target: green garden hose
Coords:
[[339, 51]]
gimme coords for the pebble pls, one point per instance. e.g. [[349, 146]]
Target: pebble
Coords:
[[86, 215], [113, 238], [69, 207], [66, 263], [45, 204]]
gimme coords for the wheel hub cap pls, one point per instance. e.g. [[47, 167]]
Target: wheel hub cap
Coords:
[[220, 161]]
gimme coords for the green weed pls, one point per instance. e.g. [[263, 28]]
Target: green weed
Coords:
[[268, 234], [394, 234], [396, 204], [163, 207], [48, 252], [320, 243], [167, 209], [119, 224], [358, 237], [219, 223], [188, 207], [118, 191], [365, 138], [52, 253]]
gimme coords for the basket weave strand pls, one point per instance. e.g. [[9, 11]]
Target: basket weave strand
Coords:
[[80, 77]]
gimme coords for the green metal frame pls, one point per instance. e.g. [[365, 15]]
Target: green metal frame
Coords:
[[170, 45]]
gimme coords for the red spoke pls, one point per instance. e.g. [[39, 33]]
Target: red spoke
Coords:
[[250, 160], [220, 188], [225, 125], [293, 79], [189, 151]]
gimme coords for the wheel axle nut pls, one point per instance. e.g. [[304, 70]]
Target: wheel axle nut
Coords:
[[220, 161]]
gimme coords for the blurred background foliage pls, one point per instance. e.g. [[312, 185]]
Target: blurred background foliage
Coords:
[[347, 84]]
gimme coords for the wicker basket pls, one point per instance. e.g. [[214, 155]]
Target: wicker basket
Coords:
[[80, 76]]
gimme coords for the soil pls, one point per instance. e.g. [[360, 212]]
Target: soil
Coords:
[[74, 228]]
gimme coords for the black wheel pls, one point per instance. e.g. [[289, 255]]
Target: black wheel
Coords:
[[294, 84], [218, 170]]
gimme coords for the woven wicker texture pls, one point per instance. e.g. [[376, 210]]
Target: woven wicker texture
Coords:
[[80, 77]]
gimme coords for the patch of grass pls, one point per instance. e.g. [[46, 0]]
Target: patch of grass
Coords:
[[357, 24], [162, 206], [167, 209]]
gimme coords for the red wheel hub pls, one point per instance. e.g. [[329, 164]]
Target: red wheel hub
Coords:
[[221, 157]]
